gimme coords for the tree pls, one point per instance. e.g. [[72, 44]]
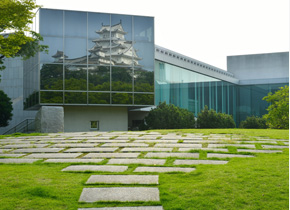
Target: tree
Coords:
[[16, 38], [254, 122], [278, 111], [168, 116], [5, 109]]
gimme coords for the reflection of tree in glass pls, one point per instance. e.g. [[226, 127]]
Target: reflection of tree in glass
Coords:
[[76, 98], [51, 77], [75, 79], [99, 98], [121, 79], [144, 99], [99, 78], [31, 100], [144, 81], [122, 98], [51, 97]]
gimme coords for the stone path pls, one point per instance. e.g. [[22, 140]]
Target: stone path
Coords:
[[134, 153]]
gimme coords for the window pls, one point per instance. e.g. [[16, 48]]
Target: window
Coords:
[[94, 125]]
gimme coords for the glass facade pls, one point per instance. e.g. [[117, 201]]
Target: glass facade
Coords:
[[93, 58], [192, 91]]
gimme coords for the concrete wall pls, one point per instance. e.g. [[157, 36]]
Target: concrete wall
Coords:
[[260, 68], [78, 118]]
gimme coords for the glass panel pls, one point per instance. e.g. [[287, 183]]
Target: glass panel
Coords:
[[99, 78], [99, 52], [75, 97], [144, 55], [143, 81], [51, 22], [75, 51], [144, 99], [143, 29], [122, 98], [121, 79], [31, 100], [75, 24], [55, 51], [51, 97], [98, 25], [99, 98], [51, 77], [121, 27], [75, 77]]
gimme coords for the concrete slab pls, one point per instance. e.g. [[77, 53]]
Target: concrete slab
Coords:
[[156, 141], [112, 155], [122, 194], [218, 155], [137, 161], [11, 155], [176, 154], [17, 160], [198, 162], [96, 168], [163, 169], [38, 150], [76, 145], [4, 150], [274, 147], [73, 160], [233, 145], [206, 149], [123, 179], [54, 155], [106, 141], [19, 146], [124, 145], [149, 149], [179, 145], [259, 151], [99, 149], [126, 208]]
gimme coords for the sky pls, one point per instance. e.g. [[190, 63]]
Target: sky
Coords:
[[206, 30]]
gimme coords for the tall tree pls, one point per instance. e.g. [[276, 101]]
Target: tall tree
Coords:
[[278, 111], [16, 38], [5, 109]]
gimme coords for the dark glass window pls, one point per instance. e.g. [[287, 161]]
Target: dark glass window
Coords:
[[99, 98], [51, 97], [143, 80], [55, 52], [51, 77], [75, 77], [122, 79], [75, 97], [99, 78], [143, 99], [122, 98]]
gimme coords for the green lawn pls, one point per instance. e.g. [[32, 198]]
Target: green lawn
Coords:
[[250, 183]]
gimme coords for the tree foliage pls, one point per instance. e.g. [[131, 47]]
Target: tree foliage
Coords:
[[5, 109], [254, 122], [16, 38], [278, 111], [168, 116], [210, 119]]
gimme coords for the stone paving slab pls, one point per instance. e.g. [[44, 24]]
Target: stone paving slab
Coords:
[[122, 194], [218, 155], [126, 208], [112, 149], [125, 145], [68, 141], [17, 160], [259, 151], [106, 141], [259, 142], [38, 150], [73, 160], [4, 150], [96, 168], [149, 149], [137, 161], [82, 145], [11, 155], [156, 141], [206, 149], [123, 179], [274, 146], [176, 154], [233, 145], [112, 155], [179, 145], [197, 162], [16, 146], [55, 155], [163, 169]]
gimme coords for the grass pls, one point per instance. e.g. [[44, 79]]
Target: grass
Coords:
[[244, 183], [22, 134]]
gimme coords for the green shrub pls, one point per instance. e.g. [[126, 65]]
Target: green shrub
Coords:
[[210, 119], [253, 122], [6, 109], [168, 116]]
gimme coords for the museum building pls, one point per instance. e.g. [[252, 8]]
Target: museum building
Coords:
[[105, 72]]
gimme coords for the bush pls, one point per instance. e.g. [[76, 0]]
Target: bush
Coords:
[[253, 122], [168, 116], [278, 111], [5, 109], [210, 119]]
